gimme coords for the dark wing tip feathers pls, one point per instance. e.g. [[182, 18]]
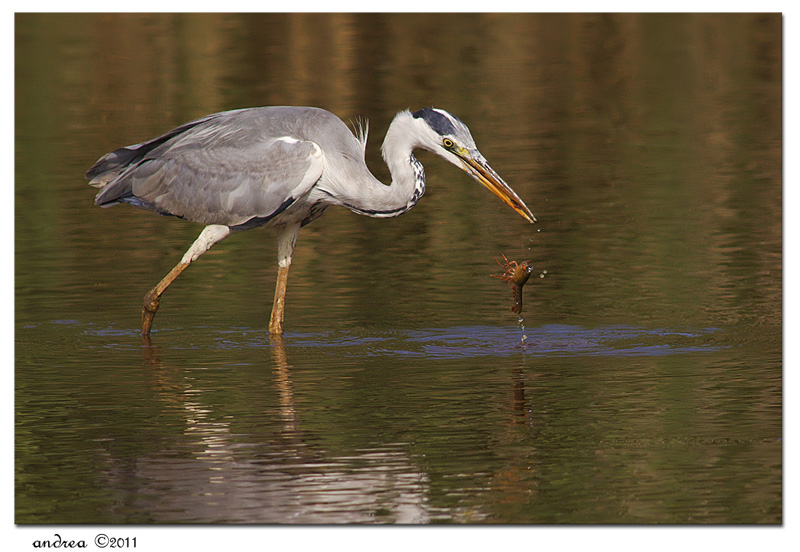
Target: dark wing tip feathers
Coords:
[[113, 161], [120, 159]]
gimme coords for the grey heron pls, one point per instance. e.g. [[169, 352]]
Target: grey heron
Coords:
[[280, 167]]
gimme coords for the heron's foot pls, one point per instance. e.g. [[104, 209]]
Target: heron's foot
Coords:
[[149, 309]]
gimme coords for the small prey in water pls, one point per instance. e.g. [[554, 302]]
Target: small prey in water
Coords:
[[516, 274]]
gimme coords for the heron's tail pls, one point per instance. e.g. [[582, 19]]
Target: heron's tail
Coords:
[[113, 164]]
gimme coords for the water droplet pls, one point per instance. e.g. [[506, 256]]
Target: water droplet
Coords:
[[521, 322]]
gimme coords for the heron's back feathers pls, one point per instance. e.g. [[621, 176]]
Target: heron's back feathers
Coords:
[[236, 168]]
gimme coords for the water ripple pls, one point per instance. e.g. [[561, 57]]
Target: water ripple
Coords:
[[549, 340], [554, 340]]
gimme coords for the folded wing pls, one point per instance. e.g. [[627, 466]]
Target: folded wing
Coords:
[[231, 168]]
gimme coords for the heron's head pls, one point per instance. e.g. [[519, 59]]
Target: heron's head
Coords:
[[445, 135]]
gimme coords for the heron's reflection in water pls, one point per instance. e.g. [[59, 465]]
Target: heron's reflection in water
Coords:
[[283, 383], [209, 472]]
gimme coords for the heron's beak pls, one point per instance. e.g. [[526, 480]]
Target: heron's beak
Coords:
[[481, 171]]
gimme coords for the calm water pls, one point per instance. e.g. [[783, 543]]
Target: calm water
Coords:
[[643, 384]]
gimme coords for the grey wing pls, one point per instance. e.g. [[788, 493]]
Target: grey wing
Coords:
[[219, 175], [111, 165]]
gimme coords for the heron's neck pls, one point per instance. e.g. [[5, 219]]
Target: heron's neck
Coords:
[[408, 176]]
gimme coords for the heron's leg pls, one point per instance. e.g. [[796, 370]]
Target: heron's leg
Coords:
[[287, 238], [210, 235], [276, 318]]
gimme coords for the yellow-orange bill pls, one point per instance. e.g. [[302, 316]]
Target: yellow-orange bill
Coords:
[[485, 174]]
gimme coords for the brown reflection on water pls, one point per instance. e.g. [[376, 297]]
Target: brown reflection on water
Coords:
[[212, 474]]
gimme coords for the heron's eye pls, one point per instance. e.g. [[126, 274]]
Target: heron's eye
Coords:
[[448, 143]]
